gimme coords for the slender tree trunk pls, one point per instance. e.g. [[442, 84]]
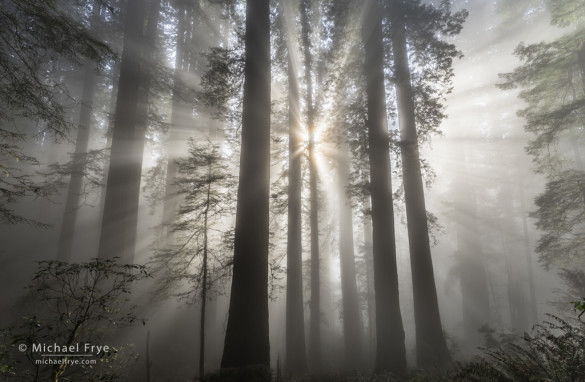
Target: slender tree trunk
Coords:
[[390, 351], [118, 234], [246, 341], [315, 304], [352, 328], [431, 347], [296, 359]]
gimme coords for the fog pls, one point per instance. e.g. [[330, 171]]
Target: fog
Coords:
[[161, 179]]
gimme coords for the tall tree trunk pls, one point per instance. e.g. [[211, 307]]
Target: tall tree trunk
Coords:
[[369, 262], [390, 351], [315, 303], [431, 347], [246, 340], [296, 359], [81, 143], [352, 328], [118, 233]]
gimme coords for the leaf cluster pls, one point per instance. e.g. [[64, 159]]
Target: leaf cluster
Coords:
[[555, 352], [560, 215], [431, 57], [38, 42], [223, 82], [71, 303]]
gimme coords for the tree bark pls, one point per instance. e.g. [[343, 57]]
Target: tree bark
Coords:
[[296, 359], [246, 341], [390, 351], [371, 295], [120, 216], [431, 348]]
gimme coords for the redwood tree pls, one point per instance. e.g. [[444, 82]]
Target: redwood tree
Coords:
[[390, 351], [431, 348], [120, 215], [246, 340]]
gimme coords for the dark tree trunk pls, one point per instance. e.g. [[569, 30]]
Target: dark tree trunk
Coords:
[[315, 303], [369, 262], [246, 340], [352, 326], [431, 348], [296, 359], [390, 351], [120, 215], [118, 233]]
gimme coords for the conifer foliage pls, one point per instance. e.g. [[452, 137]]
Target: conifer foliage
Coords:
[[551, 80]]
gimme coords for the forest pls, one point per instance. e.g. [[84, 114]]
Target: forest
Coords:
[[292, 190]]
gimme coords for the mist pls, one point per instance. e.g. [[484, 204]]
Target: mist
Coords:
[[291, 190]]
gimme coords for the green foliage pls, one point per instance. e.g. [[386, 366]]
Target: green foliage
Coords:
[[203, 224], [38, 41], [493, 340], [223, 82], [510, 11], [556, 352], [566, 12], [560, 213], [89, 165], [551, 80], [72, 304], [431, 60]]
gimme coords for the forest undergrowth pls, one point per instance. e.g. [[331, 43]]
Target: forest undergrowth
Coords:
[[554, 351]]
